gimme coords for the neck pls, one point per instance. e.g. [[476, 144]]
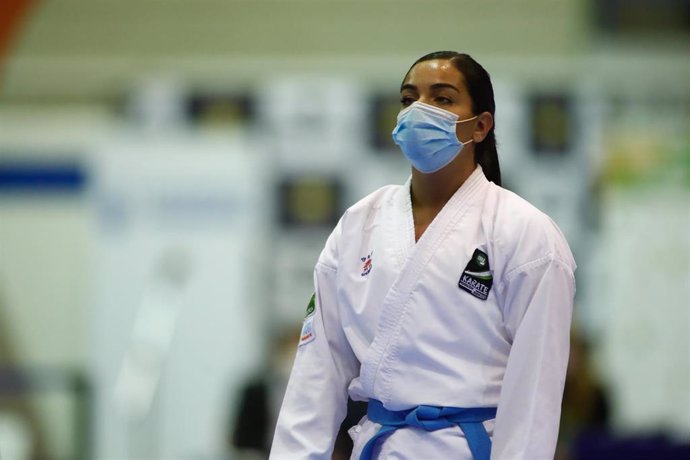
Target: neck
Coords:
[[435, 189]]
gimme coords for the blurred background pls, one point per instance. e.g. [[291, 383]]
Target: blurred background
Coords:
[[170, 170]]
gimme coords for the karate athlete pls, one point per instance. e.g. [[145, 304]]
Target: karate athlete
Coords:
[[445, 303]]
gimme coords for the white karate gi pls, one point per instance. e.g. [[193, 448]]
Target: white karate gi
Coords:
[[404, 333]]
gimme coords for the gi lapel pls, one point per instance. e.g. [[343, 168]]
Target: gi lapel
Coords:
[[414, 259]]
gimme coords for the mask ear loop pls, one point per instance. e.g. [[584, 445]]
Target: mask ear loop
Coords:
[[462, 121], [467, 119]]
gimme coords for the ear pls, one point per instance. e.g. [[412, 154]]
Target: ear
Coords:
[[485, 122]]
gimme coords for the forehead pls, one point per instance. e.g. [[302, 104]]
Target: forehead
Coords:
[[427, 73]]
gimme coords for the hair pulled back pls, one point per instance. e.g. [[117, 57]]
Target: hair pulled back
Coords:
[[481, 92]]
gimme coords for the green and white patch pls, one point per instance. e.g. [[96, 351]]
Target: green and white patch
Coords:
[[311, 307]]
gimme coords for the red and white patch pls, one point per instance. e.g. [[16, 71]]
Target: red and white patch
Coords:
[[307, 334], [367, 264]]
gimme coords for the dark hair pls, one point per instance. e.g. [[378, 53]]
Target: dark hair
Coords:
[[479, 87]]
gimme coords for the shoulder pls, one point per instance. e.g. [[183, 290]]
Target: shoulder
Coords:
[[525, 234], [355, 216]]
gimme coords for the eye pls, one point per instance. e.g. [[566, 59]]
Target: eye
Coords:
[[443, 100], [406, 100]]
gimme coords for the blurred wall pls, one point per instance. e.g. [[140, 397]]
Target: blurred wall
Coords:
[[83, 51], [94, 50]]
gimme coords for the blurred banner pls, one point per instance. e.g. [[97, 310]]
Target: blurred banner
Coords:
[[177, 321]]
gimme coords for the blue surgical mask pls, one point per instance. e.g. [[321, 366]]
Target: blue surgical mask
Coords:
[[426, 135]]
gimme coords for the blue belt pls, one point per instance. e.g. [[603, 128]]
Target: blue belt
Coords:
[[432, 418]]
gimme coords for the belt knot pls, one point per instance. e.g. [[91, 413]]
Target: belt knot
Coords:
[[427, 417]]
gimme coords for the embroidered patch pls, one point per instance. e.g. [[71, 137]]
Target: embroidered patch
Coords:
[[311, 307], [367, 264], [477, 278], [307, 334]]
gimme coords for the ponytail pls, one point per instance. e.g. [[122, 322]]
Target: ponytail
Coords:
[[486, 155]]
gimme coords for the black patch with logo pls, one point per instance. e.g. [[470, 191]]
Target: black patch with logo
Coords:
[[477, 278]]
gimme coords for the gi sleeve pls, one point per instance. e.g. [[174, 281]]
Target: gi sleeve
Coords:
[[316, 397], [537, 312]]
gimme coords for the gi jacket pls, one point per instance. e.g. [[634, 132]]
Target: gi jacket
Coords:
[[475, 314]]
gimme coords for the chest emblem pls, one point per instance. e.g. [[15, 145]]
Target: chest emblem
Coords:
[[367, 264], [477, 278]]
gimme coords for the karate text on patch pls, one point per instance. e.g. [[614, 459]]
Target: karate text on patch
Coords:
[[476, 278]]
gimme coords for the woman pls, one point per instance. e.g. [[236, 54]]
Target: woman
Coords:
[[445, 303]]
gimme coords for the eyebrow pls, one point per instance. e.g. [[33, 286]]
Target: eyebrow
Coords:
[[434, 86]]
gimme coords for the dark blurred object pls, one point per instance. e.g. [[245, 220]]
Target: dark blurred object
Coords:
[[551, 123], [15, 396], [219, 110], [584, 398], [259, 404], [256, 422], [601, 446], [585, 433], [310, 201], [260, 398], [343, 442], [254, 418], [631, 18], [585, 405], [20, 387], [383, 110]]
